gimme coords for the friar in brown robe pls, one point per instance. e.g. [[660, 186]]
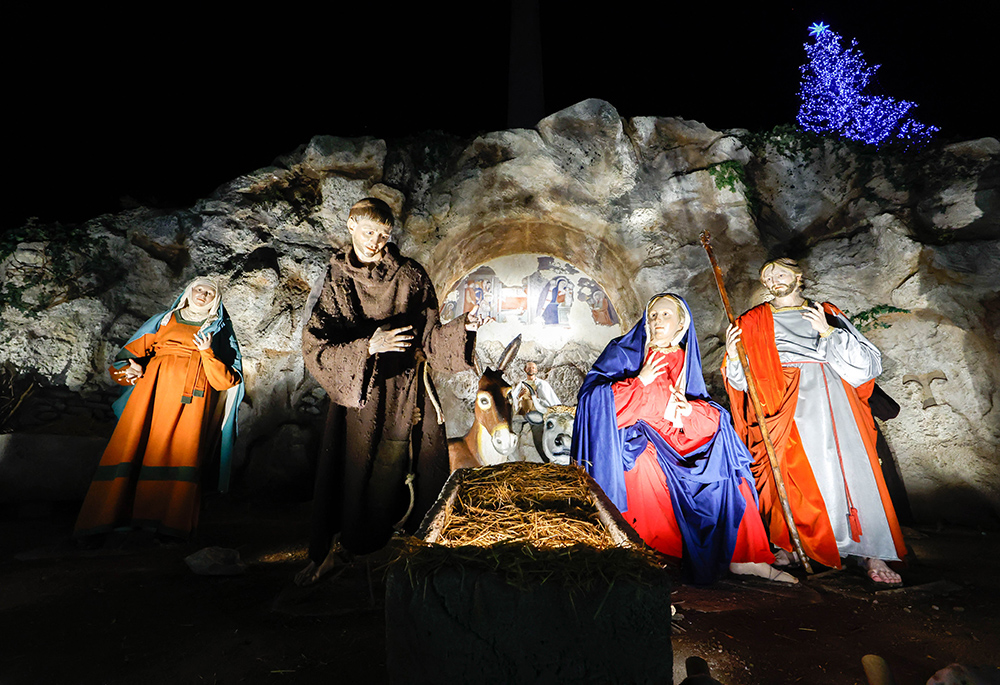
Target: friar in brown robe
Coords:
[[372, 333]]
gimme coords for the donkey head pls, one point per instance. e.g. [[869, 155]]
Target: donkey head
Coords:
[[493, 409]]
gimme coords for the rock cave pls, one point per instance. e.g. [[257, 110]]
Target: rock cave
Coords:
[[908, 246]]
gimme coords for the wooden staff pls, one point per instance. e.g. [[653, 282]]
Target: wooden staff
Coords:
[[779, 481]]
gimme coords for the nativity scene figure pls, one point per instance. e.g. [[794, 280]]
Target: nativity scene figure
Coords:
[[370, 342], [814, 373], [666, 454], [183, 380]]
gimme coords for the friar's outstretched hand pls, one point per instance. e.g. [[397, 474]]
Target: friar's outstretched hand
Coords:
[[390, 340], [473, 321]]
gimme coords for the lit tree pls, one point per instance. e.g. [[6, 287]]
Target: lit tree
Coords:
[[832, 92]]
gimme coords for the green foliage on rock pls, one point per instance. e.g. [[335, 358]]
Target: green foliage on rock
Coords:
[[869, 319], [44, 265], [732, 175], [785, 139]]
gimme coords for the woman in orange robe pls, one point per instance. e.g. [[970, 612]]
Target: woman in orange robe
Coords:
[[183, 380]]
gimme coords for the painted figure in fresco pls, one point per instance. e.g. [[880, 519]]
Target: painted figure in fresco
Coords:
[[183, 385], [557, 293], [474, 294], [814, 374], [372, 333], [666, 454], [601, 309]]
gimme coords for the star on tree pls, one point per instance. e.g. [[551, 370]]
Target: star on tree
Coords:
[[834, 99]]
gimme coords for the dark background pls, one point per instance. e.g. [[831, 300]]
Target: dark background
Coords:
[[163, 105]]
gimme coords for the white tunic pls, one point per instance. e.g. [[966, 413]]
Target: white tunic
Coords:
[[823, 404]]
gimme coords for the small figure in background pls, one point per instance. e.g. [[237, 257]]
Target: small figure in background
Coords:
[[542, 393]]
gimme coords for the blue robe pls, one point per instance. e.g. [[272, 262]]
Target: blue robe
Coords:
[[703, 484]]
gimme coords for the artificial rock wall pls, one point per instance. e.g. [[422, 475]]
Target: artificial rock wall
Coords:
[[623, 200]]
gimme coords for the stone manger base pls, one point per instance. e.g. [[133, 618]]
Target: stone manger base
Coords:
[[522, 610]]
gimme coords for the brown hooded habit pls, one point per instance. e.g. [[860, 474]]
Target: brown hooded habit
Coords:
[[372, 421]]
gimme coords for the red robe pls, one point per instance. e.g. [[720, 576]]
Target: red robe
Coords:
[[650, 510], [778, 389]]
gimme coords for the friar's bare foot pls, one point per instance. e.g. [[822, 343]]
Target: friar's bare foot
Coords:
[[880, 573], [311, 573], [762, 570], [783, 558]]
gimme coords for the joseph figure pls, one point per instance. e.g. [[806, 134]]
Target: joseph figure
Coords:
[[814, 373], [372, 336]]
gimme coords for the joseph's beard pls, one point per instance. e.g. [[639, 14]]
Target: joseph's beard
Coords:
[[784, 291]]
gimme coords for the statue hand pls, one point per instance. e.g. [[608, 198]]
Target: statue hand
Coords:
[[133, 372], [473, 321], [391, 340], [680, 402], [817, 319], [733, 334], [202, 340], [654, 367]]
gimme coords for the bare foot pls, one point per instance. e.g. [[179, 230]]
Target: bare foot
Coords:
[[880, 573], [311, 573], [762, 570], [783, 558]]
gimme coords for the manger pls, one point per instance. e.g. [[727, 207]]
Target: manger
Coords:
[[526, 573]]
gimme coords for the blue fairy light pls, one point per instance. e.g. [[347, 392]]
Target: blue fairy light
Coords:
[[834, 98]]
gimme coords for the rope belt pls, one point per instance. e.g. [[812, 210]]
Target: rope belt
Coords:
[[423, 383]]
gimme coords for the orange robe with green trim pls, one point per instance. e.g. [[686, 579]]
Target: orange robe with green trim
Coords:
[[778, 388], [149, 475]]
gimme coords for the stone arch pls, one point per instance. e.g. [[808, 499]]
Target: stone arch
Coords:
[[604, 260]]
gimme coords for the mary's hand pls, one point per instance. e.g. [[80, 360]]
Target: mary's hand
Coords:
[[655, 366], [680, 401]]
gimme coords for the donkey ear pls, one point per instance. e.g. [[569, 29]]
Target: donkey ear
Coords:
[[509, 354]]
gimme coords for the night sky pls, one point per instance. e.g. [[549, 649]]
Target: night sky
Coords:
[[163, 106]]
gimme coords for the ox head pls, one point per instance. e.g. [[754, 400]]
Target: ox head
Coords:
[[557, 432]]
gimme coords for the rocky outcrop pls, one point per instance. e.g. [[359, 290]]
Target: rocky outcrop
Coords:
[[623, 200]]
